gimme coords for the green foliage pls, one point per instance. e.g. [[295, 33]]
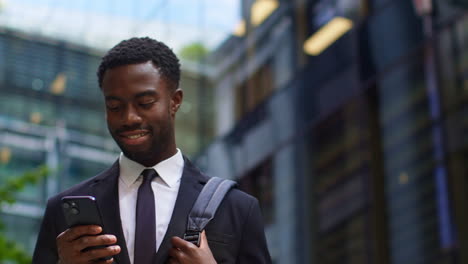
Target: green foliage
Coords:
[[10, 251], [194, 52]]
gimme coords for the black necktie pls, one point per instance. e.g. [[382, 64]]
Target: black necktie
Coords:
[[145, 230]]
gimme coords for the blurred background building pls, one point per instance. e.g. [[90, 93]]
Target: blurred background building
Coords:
[[345, 118]]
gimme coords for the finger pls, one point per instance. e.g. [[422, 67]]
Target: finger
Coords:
[[176, 254], [181, 244], [203, 240], [76, 232], [109, 261], [98, 253], [90, 241]]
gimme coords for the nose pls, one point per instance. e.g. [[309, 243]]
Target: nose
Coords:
[[131, 117]]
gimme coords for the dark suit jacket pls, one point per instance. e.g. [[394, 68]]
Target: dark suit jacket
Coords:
[[235, 235]]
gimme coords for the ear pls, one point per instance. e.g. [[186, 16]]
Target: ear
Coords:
[[176, 101]]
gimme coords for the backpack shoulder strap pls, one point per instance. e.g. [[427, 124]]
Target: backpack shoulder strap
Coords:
[[205, 207]]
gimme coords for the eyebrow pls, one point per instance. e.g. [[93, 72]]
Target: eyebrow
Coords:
[[107, 98], [139, 95], [146, 93]]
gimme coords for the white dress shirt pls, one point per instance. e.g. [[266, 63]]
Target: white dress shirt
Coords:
[[165, 188]]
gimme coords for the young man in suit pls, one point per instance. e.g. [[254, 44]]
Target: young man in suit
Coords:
[[146, 195]]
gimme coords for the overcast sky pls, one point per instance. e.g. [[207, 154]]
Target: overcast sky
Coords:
[[103, 23]]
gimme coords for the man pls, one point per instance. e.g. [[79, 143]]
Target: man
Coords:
[[139, 79]]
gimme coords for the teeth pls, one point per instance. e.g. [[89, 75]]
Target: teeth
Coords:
[[136, 136]]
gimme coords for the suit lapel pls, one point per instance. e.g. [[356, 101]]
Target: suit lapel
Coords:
[[106, 191], [191, 184]]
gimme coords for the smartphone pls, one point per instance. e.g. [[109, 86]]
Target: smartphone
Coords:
[[82, 210]]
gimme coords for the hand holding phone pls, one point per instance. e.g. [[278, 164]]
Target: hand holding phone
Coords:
[[83, 241]]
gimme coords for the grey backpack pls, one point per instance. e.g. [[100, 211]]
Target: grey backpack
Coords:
[[205, 207]]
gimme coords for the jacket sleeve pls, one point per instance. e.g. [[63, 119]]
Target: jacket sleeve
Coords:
[[253, 246], [46, 246]]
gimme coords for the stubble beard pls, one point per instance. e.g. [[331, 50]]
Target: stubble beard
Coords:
[[159, 146]]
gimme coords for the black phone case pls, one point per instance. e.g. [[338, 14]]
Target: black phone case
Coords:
[[81, 210]]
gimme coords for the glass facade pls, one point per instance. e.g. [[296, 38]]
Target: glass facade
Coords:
[[365, 139]]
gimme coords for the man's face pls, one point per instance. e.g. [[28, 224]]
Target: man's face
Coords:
[[140, 112]]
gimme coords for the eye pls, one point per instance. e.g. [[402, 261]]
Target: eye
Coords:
[[113, 107], [147, 104]]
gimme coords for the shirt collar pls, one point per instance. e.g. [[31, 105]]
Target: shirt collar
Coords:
[[169, 170]]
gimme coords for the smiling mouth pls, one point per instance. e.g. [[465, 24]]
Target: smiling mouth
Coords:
[[135, 136]]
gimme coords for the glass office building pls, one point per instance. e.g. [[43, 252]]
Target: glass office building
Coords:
[[356, 148]]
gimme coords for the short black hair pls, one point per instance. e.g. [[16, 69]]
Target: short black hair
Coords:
[[140, 50]]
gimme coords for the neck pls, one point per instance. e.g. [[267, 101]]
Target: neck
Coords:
[[158, 158]]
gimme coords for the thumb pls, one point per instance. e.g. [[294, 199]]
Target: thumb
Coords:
[[204, 240]]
